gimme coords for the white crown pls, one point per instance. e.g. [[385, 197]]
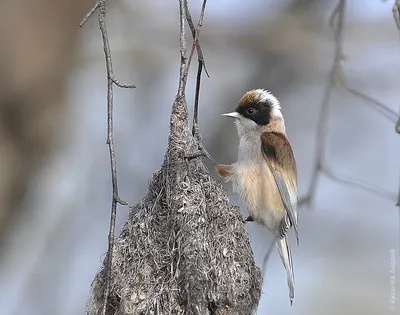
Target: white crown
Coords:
[[267, 96]]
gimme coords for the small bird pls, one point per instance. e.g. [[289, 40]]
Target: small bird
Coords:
[[265, 175]]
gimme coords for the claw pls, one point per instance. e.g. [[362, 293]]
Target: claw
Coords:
[[202, 152], [248, 219]]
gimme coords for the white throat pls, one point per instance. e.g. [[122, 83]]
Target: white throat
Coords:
[[249, 141]]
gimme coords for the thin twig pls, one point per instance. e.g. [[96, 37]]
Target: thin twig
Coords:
[[359, 184], [89, 14], [303, 201], [375, 104], [196, 98], [323, 121], [332, 17], [193, 30], [195, 40], [200, 66], [190, 58], [398, 123], [196, 33], [182, 41], [266, 257], [396, 13], [201, 63], [111, 80]]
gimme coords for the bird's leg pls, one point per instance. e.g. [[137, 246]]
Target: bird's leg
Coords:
[[202, 150], [248, 219]]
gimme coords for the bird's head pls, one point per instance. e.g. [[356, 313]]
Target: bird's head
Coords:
[[258, 111]]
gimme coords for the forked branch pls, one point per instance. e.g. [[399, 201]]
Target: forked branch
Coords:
[[101, 6]]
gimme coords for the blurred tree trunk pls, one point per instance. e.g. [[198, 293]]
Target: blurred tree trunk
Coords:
[[38, 43]]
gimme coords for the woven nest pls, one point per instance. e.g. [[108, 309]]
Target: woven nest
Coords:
[[184, 248]]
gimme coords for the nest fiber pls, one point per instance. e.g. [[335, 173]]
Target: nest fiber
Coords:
[[184, 248]]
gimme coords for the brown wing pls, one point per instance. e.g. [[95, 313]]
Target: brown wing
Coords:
[[279, 155]]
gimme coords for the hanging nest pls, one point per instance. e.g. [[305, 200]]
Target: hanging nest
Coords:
[[184, 248]]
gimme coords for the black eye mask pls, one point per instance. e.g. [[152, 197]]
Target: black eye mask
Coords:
[[259, 112]]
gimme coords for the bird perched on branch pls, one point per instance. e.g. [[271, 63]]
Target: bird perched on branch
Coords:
[[265, 175]]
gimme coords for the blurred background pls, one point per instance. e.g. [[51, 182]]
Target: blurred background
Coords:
[[55, 192]]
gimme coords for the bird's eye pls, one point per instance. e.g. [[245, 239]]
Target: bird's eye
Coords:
[[251, 111]]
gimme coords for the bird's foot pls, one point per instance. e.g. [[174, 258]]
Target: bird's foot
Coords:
[[202, 150], [248, 219]]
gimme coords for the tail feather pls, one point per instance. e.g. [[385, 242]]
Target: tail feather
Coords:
[[284, 251]]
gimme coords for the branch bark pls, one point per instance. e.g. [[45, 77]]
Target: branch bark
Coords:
[[101, 6]]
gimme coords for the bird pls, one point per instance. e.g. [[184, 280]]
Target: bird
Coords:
[[265, 174]]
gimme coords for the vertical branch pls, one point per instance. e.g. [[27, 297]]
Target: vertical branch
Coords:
[[396, 13], [337, 73], [186, 13], [196, 97], [179, 109], [110, 142], [201, 65], [201, 62], [111, 80], [182, 41], [323, 121]]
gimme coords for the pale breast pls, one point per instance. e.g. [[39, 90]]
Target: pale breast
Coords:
[[256, 186]]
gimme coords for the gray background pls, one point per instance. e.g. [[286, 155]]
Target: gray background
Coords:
[[343, 263]]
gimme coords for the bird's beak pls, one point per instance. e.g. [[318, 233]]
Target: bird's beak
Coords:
[[233, 115]]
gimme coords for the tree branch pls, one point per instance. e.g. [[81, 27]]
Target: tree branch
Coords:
[[323, 121], [111, 80], [201, 65], [337, 74], [195, 128], [374, 104], [193, 30], [182, 41], [396, 13], [373, 189], [196, 35]]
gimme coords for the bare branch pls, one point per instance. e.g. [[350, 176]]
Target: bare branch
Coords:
[[111, 80], [396, 13], [374, 104], [200, 66], [90, 13], [323, 121], [182, 40], [332, 17], [195, 39], [266, 257], [373, 189], [196, 98], [193, 29], [196, 33]]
